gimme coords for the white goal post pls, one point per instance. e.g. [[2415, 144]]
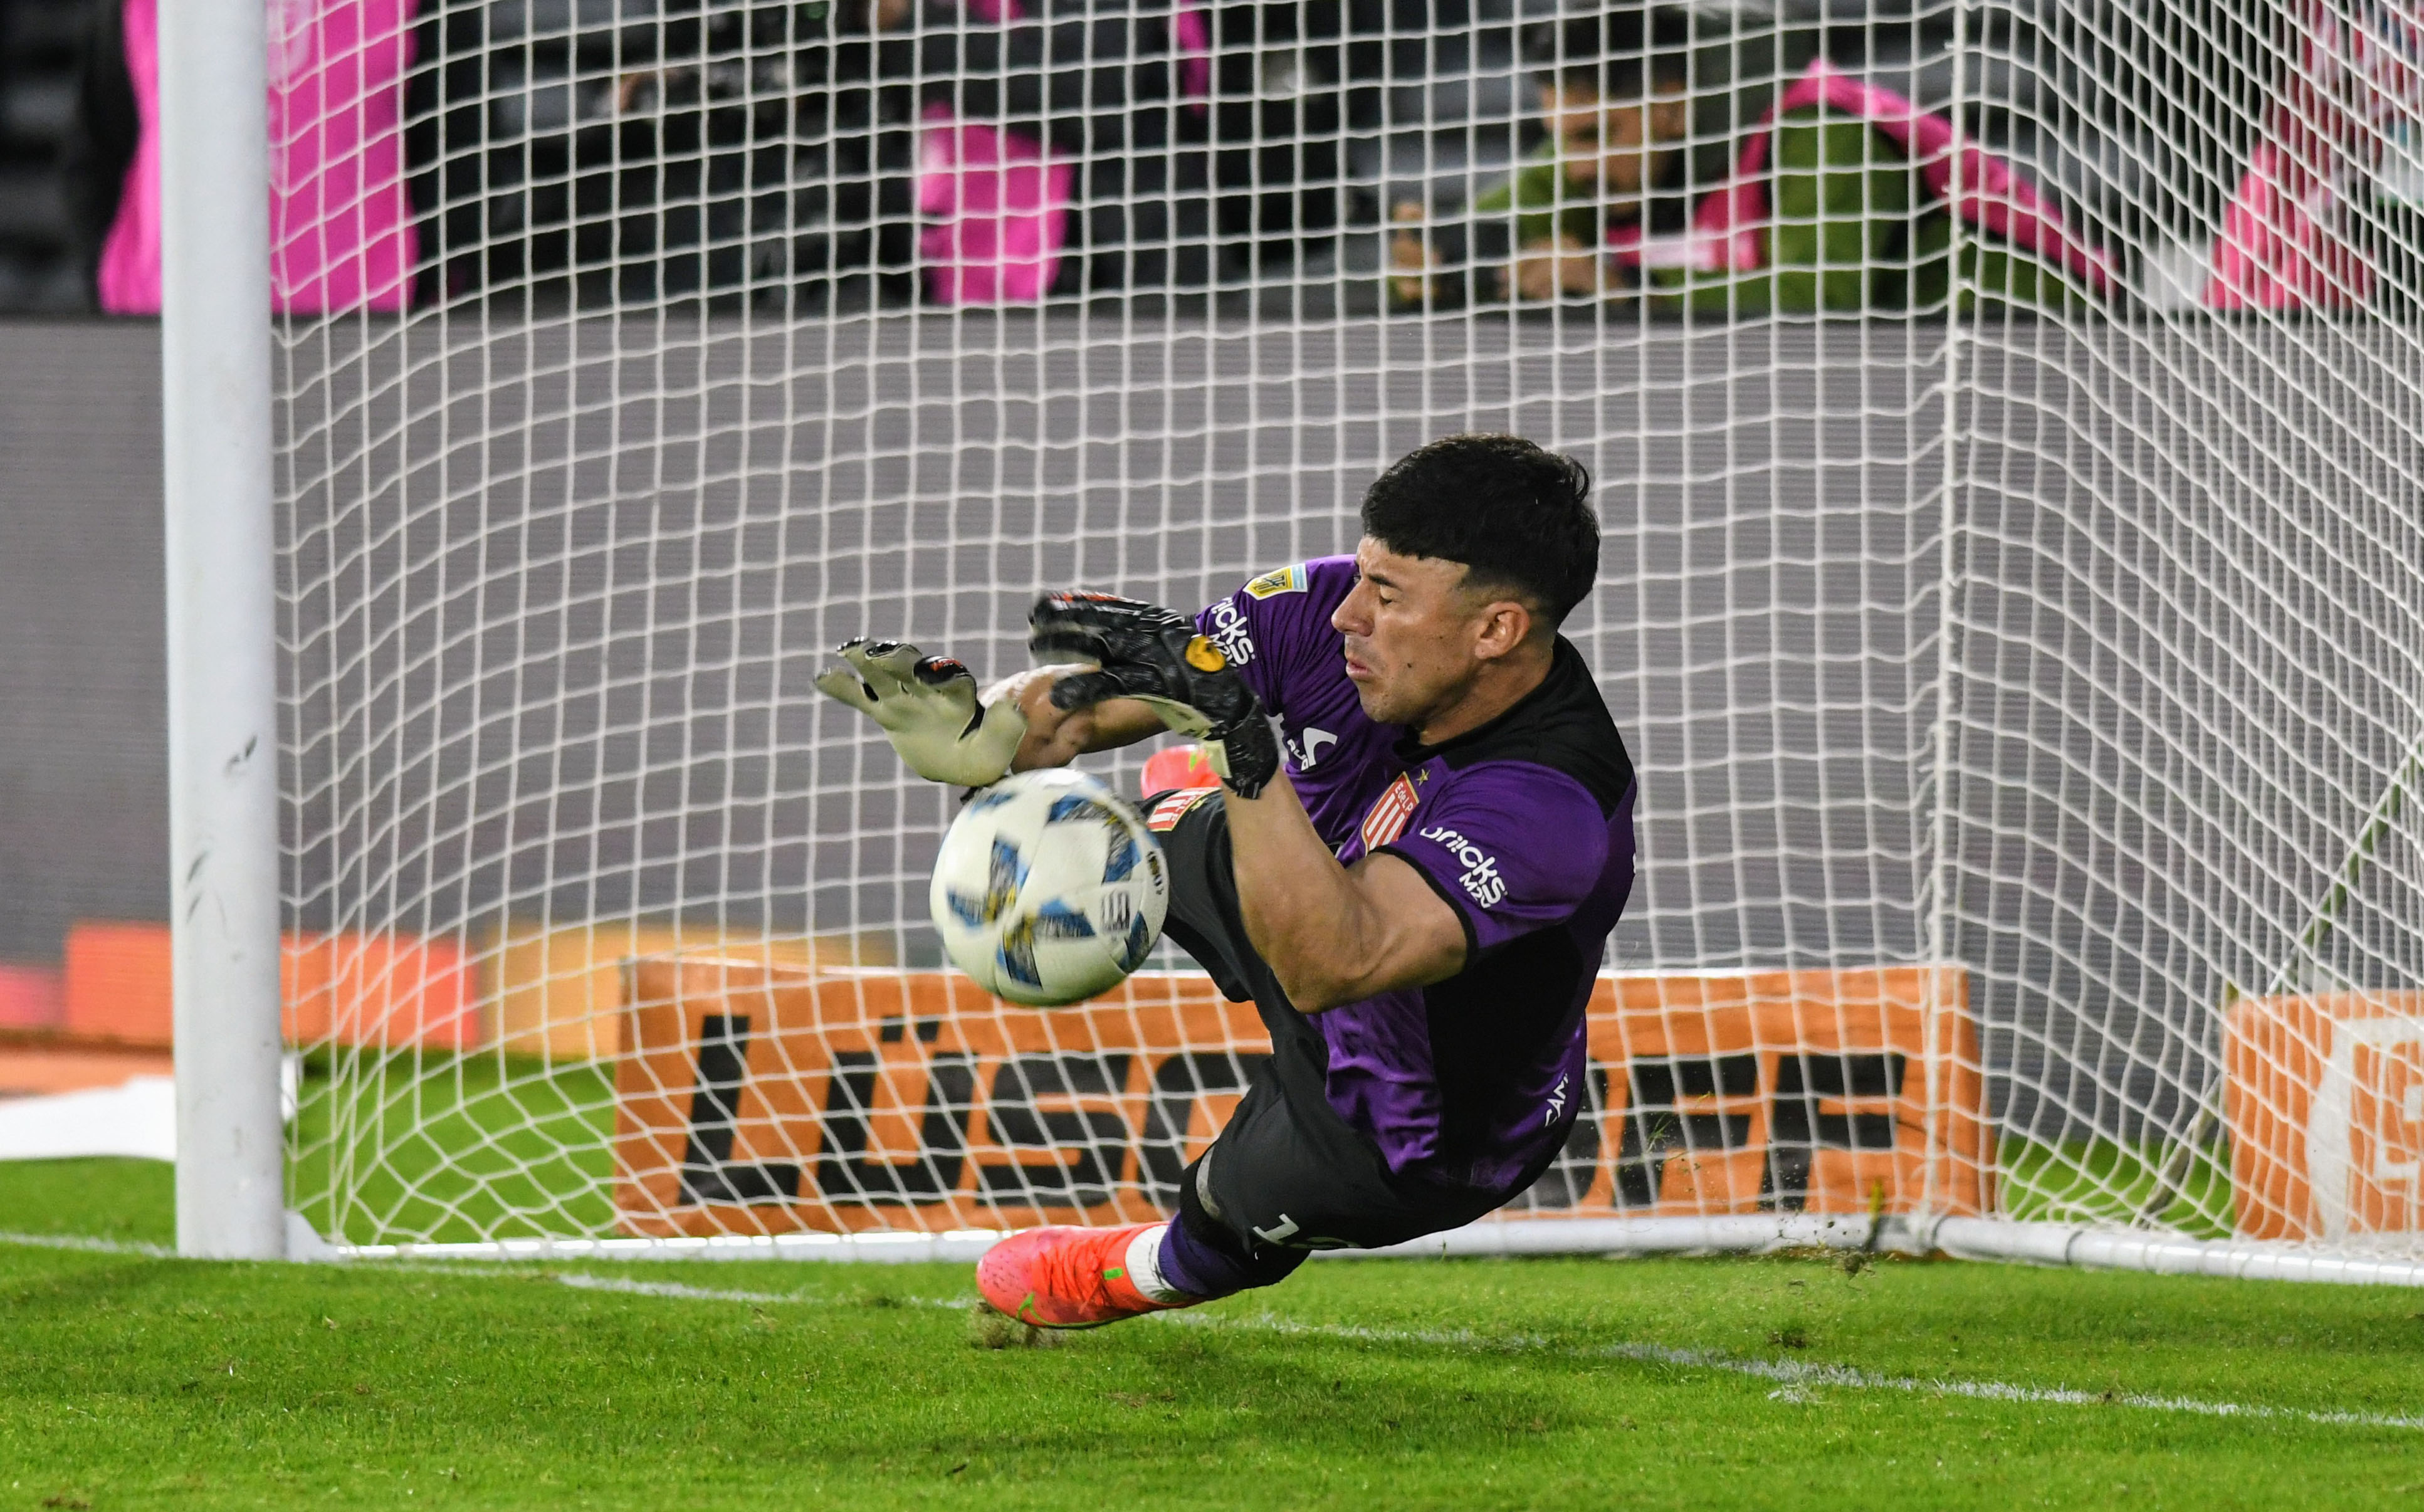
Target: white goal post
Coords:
[[224, 864], [2007, 441]]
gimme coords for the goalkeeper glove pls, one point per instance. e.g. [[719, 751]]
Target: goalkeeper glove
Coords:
[[1157, 657], [929, 709]]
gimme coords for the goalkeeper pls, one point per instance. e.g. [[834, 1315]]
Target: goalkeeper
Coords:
[[1421, 839]]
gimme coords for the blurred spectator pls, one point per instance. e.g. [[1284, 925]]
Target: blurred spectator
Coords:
[[340, 229], [604, 153], [1064, 147], [2289, 237], [1127, 145], [103, 134], [1845, 201], [829, 153], [1613, 104], [1843, 198], [992, 198]]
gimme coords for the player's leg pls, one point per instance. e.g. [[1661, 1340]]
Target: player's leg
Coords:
[[1285, 1177], [1066, 1277], [1289, 1176]]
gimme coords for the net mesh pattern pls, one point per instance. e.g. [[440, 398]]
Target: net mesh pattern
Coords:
[[2006, 435]]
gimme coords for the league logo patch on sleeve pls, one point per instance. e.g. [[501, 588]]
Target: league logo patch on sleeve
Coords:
[[1174, 806], [1285, 580]]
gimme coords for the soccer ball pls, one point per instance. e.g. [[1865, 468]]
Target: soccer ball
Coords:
[[1048, 889]]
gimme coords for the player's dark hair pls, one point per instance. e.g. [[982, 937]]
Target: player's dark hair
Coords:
[[1624, 53], [1517, 517]]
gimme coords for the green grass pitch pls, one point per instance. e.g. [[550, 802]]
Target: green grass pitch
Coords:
[[130, 1380]]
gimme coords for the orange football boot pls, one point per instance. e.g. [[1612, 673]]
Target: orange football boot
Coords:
[[1066, 1278]]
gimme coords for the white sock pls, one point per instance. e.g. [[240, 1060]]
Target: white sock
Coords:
[[1145, 1267]]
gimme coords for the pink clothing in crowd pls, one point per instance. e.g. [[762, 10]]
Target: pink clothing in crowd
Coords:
[[2281, 246], [996, 211], [995, 202], [1191, 32], [340, 221]]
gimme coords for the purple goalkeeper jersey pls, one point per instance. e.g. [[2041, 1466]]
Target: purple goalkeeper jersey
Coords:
[[1522, 826]]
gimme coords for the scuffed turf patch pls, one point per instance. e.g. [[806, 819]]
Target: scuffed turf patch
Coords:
[[989, 1330]]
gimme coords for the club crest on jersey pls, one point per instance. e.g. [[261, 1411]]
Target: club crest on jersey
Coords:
[[1174, 807], [1285, 580], [1388, 813]]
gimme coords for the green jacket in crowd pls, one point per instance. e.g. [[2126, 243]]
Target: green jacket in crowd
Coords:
[[1851, 229]]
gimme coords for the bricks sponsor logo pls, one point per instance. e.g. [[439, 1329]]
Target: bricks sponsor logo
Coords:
[[1388, 813], [1481, 879], [1229, 632], [1285, 580], [1174, 807]]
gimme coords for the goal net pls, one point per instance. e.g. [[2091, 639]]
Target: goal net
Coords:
[[2006, 435]]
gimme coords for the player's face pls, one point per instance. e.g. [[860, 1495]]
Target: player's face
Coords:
[[1600, 146], [1410, 632], [1610, 149]]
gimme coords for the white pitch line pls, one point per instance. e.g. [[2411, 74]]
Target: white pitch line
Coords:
[[1791, 1375]]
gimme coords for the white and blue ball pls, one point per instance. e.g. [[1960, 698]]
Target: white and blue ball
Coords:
[[1048, 889]]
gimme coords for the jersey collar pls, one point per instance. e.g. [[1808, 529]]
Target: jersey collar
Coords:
[[1565, 663]]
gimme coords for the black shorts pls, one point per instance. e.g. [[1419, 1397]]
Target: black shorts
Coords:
[[1287, 1173]]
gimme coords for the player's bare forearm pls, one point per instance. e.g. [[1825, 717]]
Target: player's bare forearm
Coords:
[[1056, 737], [1333, 935]]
